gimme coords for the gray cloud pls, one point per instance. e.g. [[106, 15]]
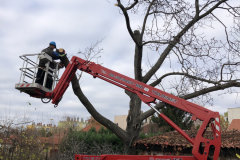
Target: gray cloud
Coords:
[[28, 26]]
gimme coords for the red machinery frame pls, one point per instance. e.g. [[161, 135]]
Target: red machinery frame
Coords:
[[147, 94], [132, 157]]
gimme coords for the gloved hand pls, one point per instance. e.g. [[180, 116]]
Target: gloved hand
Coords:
[[60, 65], [61, 52]]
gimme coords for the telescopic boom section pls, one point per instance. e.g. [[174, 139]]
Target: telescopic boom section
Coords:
[[149, 94]]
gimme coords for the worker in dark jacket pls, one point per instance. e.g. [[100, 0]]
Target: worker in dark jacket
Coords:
[[55, 55]]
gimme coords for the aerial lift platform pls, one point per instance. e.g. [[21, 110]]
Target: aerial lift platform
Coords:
[[202, 147], [29, 72]]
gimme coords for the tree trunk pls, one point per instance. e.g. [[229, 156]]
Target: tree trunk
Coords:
[[133, 123], [133, 119], [131, 134], [97, 116]]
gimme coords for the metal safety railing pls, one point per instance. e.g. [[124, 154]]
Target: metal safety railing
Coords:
[[30, 67]]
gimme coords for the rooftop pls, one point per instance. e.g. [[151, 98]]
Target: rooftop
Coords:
[[54, 139], [98, 127], [230, 139], [235, 124]]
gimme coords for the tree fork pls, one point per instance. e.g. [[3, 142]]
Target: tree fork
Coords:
[[97, 116]]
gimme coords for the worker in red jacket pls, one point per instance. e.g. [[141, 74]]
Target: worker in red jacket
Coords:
[[55, 55]]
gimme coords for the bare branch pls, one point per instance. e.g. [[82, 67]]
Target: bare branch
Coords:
[[138, 57], [175, 41], [91, 53], [224, 28], [167, 13], [193, 95], [159, 42], [127, 21], [207, 4], [237, 63], [197, 8], [134, 4], [145, 18], [211, 89], [211, 9], [184, 74]]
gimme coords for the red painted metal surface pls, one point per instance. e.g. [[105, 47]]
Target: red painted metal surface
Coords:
[[132, 157], [148, 94]]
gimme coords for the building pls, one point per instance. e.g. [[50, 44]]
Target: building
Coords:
[[73, 123], [48, 128], [6, 143], [50, 145], [92, 123], [121, 121], [53, 141], [233, 113]]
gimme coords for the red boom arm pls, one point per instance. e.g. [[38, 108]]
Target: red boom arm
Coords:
[[148, 94]]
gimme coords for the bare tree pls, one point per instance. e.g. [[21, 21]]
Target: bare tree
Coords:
[[17, 142], [176, 30]]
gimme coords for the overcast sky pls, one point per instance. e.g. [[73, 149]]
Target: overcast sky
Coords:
[[28, 26]]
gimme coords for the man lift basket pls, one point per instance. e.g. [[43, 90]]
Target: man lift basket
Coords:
[[29, 71]]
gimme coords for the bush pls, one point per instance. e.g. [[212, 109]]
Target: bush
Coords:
[[90, 143]]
